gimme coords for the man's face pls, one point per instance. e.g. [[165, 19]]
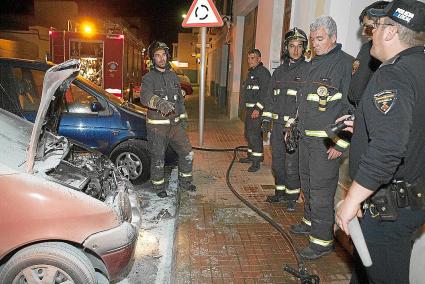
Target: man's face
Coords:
[[378, 39], [253, 60], [295, 48], [321, 41], [367, 27], [160, 58]]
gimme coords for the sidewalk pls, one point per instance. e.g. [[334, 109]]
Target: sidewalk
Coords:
[[218, 238]]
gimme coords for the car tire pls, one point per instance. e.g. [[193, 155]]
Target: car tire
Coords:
[[33, 264], [184, 93], [133, 155]]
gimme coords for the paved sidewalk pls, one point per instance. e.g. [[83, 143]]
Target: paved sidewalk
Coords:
[[218, 238]]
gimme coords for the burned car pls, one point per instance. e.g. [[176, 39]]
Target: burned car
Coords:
[[68, 215]]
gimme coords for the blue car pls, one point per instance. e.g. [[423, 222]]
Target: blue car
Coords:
[[88, 114]]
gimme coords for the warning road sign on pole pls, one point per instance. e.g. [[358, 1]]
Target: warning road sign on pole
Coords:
[[202, 13]]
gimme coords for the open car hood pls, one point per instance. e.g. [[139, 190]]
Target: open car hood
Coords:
[[59, 76]]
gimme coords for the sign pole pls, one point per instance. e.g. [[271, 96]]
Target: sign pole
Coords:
[[202, 85]]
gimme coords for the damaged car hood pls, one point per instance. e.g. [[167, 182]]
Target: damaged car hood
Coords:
[[57, 76]]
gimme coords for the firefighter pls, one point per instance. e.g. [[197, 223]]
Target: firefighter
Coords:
[[324, 98], [387, 154], [281, 109], [253, 94], [365, 65], [166, 119]]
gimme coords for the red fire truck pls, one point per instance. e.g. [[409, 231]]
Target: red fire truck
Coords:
[[111, 60]]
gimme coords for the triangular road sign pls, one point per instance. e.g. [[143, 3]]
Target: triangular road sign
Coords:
[[202, 13]]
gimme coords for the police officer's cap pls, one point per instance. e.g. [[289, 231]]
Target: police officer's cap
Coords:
[[408, 13]]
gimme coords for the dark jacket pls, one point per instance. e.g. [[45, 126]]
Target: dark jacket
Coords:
[[328, 74], [166, 85], [363, 68], [255, 87], [389, 136], [286, 82]]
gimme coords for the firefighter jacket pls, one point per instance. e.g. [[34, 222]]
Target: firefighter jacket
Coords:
[[281, 101], [255, 87], [389, 138], [325, 95], [165, 85], [363, 68]]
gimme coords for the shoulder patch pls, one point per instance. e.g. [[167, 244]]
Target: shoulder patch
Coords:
[[385, 100], [355, 67]]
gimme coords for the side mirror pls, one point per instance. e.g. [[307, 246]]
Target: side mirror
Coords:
[[96, 106]]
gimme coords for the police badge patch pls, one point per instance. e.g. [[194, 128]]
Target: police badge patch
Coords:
[[385, 100]]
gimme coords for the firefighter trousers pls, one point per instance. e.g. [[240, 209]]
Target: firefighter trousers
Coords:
[[159, 138], [284, 165], [319, 180], [254, 136]]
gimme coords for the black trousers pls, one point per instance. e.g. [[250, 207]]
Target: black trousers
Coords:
[[159, 137], [319, 180], [254, 135], [285, 166], [390, 245]]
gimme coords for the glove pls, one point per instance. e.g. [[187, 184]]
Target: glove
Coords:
[[266, 126], [164, 107], [184, 123]]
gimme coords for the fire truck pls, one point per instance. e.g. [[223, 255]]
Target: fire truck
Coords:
[[113, 60]]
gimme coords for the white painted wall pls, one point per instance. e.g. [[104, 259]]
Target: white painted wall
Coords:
[[344, 12]]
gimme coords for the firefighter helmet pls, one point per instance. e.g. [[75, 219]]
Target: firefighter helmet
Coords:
[[294, 33], [157, 45]]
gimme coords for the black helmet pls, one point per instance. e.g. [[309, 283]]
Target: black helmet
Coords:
[[157, 45], [294, 33]]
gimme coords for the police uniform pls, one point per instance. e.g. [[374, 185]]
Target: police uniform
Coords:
[[325, 99], [388, 146], [254, 93], [363, 68], [281, 108], [166, 130]]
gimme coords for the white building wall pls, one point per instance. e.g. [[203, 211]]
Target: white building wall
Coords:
[[344, 12]]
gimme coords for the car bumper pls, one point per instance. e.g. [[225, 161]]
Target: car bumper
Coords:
[[115, 247]]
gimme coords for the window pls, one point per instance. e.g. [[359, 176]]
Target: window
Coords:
[[78, 101], [29, 86]]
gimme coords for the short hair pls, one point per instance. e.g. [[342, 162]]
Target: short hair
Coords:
[[327, 23], [375, 5], [407, 36], [255, 51]]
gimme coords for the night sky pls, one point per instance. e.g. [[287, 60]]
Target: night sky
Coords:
[[163, 16]]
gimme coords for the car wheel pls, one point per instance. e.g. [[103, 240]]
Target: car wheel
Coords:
[[183, 92], [133, 156], [50, 263]]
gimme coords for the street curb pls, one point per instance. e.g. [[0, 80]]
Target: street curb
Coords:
[[174, 251]]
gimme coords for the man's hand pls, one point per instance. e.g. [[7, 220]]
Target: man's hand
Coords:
[[255, 114], [333, 154], [165, 107], [349, 123], [347, 210], [266, 126]]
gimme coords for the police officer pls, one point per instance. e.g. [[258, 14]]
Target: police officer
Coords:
[[281, 109], [365, 64], [324, 99], [166, 119], [387, 154], [253, 94]]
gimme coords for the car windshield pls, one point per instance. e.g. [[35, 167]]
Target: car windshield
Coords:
[[98, 89]]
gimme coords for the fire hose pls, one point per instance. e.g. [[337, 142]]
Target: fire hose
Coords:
[[301, 272]]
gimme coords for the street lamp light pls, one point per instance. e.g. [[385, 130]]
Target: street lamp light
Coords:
[[184, 16]]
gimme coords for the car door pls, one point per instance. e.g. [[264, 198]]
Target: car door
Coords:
[[86, 118]]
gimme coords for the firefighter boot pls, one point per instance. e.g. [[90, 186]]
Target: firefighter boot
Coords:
[[312, 253], [187, 186], [301, 229], [254, 167], [279, 195], [245, 160]]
